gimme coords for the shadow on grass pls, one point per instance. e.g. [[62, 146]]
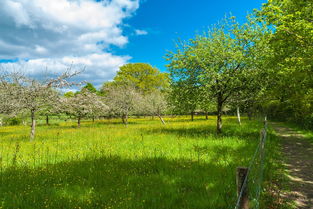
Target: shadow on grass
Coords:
[[179, 120], [55, 124], [89, 124], [248, 131], [5, 133], [112, 182]]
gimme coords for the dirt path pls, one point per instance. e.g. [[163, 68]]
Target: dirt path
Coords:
[[298, 153]]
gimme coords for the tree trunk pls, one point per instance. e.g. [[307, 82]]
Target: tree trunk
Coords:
[[161, 119], [238, 115], [206, 115], [192, 115], [78, 121], [219, 123], [93, 119], [33, 125], [126, 119], [47, 120], [123, 119]]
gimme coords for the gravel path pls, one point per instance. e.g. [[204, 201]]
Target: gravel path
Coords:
[[298, 153]]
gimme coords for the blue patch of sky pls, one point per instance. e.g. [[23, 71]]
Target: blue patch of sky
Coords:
[[9, 60], [13, 60], [167, 20]]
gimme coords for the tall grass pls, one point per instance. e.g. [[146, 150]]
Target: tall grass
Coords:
[[107, 165]]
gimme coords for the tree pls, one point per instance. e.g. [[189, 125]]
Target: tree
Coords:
[[122, 100], [130, 88], [9, 99], [223, 57], [90, 88], [84, 104], [69, 94], [206, 103], [31, 95], [142, 76], [291, 60], [185, 94], [52, 107], [293, 40], [154, 103]]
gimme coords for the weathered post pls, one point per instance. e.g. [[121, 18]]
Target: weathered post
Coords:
[[242, 188], [238, 115]]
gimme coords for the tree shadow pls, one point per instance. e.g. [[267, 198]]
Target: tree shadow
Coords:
[[113, 182], [5, 133], [179, 120], [246, 131], [86, 124], [48, 125]]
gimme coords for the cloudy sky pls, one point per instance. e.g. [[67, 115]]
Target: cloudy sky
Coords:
[[101, 35]]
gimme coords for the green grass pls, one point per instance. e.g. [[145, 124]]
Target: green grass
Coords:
[[145, 165]]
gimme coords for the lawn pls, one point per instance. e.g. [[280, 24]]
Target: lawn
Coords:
[[107, 165]]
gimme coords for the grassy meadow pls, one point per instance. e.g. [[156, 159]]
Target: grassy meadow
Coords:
[[145, 165]]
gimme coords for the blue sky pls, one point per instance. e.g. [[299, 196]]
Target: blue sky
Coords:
[[167, 20], [102, 35]]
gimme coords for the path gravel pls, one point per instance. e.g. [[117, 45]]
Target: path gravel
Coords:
[[298, 153]]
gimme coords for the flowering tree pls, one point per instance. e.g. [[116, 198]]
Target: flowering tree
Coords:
[[219, 61], [122, 100], [154, 103], [84, 104], [20, 93]]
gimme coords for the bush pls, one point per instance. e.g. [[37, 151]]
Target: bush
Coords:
[[13, 121]]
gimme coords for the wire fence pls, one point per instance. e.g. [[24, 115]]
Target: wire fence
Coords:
[[250, 179]]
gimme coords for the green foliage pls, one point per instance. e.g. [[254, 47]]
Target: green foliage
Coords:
[[290, 92], [185, 95], [69, 94], [293, 37], [217, 65], [90, 88], [12, 121], [143, 76]]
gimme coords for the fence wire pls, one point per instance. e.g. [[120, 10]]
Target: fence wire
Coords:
[[254, 177]]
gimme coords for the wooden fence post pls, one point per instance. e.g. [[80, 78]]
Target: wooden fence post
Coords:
[[240, 178]]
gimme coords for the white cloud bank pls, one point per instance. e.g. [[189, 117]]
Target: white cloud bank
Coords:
[[56, 33]]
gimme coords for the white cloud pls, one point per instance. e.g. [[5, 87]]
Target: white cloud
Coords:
[[97, 67], [141, 32], [59, 32], [40, 49], [17, 12]]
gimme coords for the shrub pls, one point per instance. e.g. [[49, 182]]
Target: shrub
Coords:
[[12, 121]]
